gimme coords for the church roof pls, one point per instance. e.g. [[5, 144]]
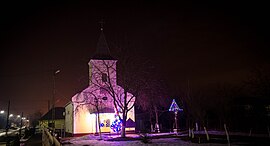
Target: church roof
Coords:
[[102, 50], [105, 110], [58, 114]]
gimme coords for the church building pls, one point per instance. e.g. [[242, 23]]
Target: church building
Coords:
[[95, 104]]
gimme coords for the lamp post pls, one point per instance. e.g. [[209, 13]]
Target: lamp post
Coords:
[[2, 112], [7, 125], [53, 98]]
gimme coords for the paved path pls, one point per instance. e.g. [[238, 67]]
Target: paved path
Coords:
[[35, 140]]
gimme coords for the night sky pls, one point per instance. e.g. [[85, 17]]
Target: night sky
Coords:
[[205, 43]]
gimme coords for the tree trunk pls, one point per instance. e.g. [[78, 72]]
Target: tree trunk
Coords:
[[192, 133], [99, 127], [207, 135], [151, 123], [157, 125], [189, 129], [189, 132], [151, 127], [123, 131], [197, 126], [99, 130], [220, 124], [268, 131], [227, 134]]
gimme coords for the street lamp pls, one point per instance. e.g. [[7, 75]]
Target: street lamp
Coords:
[[2, 112], [53, 104]]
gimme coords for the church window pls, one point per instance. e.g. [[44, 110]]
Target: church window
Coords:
[[104, 77], [108, 123]]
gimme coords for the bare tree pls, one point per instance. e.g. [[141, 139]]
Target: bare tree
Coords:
[[258, 84], [92, 102], [257, 88], [195, 107], [153, 100], [34, 117], [134, 73]]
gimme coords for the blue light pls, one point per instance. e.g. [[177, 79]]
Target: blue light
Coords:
[[116, 124], [102, 125]]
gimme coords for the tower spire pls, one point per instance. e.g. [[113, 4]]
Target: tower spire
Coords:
[[102, 50]]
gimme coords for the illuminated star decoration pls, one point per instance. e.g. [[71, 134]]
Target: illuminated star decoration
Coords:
[[116, 124], [174, 107]]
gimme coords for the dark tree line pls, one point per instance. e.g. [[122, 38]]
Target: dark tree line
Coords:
[[244, 107], [239, 107]]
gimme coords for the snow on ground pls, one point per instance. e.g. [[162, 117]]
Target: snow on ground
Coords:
[[91, 140], [154, 142]]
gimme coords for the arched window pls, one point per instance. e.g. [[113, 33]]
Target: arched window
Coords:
[[104, 77]]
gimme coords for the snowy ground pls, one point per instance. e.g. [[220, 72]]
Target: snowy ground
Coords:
[[155, 142], [91, 140]]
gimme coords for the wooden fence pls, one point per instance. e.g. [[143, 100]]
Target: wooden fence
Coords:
[[48, 139]]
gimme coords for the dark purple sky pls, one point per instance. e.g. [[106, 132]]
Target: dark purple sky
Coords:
[[203, 42]]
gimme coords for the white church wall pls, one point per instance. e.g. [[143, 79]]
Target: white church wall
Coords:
[[84, 122], [69, 118], [93, 92], [84, 119]]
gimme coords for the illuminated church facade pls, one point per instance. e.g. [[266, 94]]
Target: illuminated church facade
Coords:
[[81, 113]]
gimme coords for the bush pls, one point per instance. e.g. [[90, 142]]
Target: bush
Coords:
[[145, 138]]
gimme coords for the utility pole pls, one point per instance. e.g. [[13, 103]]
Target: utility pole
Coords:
[[7, 125], [48, 112], [21, 124], [53, 100]]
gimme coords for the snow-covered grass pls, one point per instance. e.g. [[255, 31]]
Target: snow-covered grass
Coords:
[[154, 142], [217, 138], [155, 139]]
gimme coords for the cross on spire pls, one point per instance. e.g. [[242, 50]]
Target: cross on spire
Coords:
[[101, 22]]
